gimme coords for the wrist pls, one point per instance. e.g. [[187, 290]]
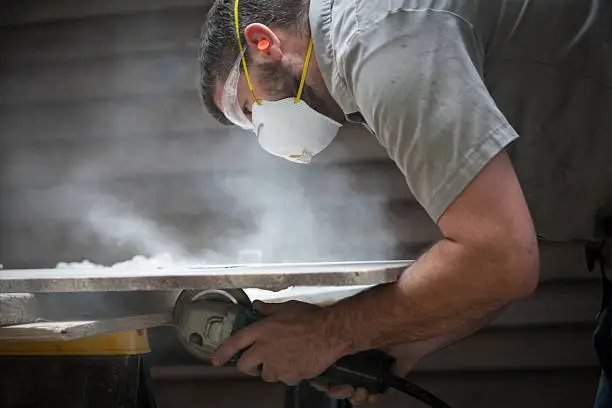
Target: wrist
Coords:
[[355, 324], [337, 329]]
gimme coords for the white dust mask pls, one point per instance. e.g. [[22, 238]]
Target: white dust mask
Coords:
[[292, 129]]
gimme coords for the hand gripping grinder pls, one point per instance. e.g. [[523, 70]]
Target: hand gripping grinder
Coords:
[[205, 319]]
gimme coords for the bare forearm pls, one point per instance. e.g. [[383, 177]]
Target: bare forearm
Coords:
[[407, 355], [424, 348], [447, 293]]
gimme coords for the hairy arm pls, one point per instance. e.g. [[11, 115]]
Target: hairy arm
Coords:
[[407, 355], [487, 259]]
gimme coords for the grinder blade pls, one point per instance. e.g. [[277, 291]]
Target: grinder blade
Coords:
[[205, 318]]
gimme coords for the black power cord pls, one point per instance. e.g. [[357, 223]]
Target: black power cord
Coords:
[[373, 371], [407, 387]]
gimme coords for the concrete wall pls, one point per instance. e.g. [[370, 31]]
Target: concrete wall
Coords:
[[106, 153]]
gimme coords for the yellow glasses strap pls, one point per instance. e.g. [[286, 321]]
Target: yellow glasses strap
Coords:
[[246, 71]]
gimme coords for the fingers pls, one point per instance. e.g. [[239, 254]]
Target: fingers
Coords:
[[290, 381], [360, 396], [336, 392], [251, 363], [240, 341], [319, 387], [357, 396], [268, 376], [341, 392]]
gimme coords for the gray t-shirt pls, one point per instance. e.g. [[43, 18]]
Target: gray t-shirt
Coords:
[[445, 85]]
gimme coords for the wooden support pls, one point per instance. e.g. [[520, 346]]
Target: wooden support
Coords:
[[63, 331]]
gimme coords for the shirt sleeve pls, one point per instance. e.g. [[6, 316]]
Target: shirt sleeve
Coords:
[[417, 79]]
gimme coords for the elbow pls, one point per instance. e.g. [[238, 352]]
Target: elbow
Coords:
[[521, 270]]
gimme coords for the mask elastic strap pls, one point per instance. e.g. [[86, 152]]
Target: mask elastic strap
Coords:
[[244, 64], [304, 72]]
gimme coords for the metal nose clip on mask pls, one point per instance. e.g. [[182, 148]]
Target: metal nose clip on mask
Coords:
[[288, 128]]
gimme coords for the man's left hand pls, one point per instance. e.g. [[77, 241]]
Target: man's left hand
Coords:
[[289, 345]]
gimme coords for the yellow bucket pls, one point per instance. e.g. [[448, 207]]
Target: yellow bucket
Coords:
[[125, 343]]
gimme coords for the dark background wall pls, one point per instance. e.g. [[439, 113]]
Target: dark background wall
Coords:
[[106, 153]]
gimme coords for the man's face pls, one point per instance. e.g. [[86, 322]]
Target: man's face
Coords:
[[272, 82]]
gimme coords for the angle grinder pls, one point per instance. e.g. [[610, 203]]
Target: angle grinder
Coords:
[[205, 319]]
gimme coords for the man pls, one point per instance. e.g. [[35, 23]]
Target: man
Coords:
[[498, 113]]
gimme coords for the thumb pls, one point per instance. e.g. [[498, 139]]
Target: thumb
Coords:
[[267, 309]]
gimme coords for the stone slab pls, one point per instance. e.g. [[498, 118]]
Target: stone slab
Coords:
[[272, 277]]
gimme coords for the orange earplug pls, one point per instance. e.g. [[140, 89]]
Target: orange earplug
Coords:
[[264, 46]]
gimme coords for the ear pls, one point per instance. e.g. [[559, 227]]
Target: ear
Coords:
[[256, 34]]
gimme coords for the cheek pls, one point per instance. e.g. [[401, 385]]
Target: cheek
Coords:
[[244, 92], [263, 90]]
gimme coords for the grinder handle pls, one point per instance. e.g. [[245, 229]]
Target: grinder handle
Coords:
[[371, 370]]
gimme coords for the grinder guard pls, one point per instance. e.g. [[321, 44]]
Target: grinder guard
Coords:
[[205, 319]]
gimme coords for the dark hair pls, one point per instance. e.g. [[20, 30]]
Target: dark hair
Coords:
[[219, 46]]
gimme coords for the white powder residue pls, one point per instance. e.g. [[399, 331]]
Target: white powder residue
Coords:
[[161, 261], [315, 295]]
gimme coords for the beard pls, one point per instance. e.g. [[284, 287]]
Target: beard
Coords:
[[281, 83]]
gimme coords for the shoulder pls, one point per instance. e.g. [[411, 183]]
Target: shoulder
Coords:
[[416, 76], [383, 36], [372, 15], [409, 26]]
